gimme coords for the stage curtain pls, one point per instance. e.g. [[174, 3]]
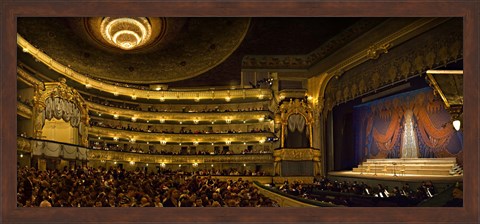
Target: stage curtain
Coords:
[[379, 126]]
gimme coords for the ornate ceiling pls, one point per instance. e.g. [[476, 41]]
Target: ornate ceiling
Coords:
[[185, 52], [136, 50]]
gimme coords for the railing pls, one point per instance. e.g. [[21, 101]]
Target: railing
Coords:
[[148, 136], [178, 116], [52, 149], [24, 110], [286, 200], [69, 151]]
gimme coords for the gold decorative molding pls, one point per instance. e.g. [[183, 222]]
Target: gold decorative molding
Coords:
[[98, 155], [416, 61], [23, 145], [29, 79], [178, 116], [179, 53], [24, 110], [297, 154], [141, 93], [371, 53], [295, 107], [145, 136], [374, 52], [59, 90]]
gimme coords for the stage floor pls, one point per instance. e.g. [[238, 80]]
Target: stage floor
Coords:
[[391, 177]]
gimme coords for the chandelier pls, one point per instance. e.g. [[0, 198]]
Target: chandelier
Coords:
[[126, 33]]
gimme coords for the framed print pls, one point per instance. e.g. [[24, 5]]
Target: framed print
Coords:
[[244, 95]]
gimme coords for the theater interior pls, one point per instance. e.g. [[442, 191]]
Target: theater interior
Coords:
[[239, 112]]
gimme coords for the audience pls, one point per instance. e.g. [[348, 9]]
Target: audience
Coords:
[[116, 187], [184, 109], [359, 194]]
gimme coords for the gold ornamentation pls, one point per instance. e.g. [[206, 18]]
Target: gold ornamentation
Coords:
[[176, 54], [374, 52], [24, 110], [146, 136], [23, 145], [29, 79], [297, 154], [410, 63], [97, 155], [59, 90], [179, 116]]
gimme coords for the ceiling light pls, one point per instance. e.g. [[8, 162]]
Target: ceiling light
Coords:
[[126, 33]]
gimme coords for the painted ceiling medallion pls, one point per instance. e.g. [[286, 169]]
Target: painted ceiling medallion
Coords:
[[126, 33]]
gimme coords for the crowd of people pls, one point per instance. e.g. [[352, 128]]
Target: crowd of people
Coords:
[[135, 148], [398, 195], [183, 109], [152, 129], [116, 187]]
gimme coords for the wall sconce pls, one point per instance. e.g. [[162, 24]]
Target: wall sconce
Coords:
[[163, 142], [195, 165], [195, 121], [162, 165], [134, 119], [457, 124], [115, 93], [115, 116], [228, 121], [162, 121], [132, 163], [195, 143], [134, 97], [162, 99], [456, 111], [228, 142], [227, 99], [115, 139]]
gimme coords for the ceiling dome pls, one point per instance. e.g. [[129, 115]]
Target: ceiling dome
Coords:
[[140, 50]]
